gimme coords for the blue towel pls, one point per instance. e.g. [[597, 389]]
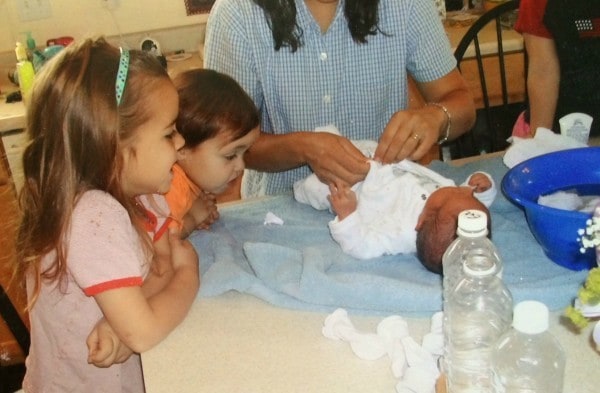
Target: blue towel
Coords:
[[298, 265]]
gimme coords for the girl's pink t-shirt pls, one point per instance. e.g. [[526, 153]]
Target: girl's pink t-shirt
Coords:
[[104, 252]]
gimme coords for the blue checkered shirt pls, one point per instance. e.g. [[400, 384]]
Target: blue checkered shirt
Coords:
[[330, 80]]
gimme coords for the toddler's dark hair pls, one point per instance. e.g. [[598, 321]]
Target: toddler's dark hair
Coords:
[[211, 102]]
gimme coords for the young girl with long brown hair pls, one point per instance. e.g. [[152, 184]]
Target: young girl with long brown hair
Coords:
[[101, 123]]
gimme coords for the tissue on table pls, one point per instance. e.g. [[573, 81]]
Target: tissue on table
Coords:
[[544, 141]]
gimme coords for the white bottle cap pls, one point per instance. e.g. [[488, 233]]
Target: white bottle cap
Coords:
[[531, 317], [472, 223]]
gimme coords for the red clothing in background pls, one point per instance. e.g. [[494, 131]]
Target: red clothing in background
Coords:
[[531, 18]]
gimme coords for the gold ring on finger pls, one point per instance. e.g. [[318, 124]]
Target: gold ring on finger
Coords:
[[416, 137]]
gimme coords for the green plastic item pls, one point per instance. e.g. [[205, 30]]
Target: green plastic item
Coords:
[[30, 41]]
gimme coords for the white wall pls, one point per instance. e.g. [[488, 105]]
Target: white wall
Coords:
[[80, 18]]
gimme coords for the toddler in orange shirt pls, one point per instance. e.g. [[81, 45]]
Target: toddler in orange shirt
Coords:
[[219, 122]]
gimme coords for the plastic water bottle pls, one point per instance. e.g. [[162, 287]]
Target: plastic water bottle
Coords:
[[528, 358], [472, 240], [479, 312]]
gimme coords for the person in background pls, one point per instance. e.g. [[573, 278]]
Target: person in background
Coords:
[[218, 122], [562, 39], [101, 123], [399, 208], [346, 63]]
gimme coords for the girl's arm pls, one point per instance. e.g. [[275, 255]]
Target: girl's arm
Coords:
[[104, 346], [141, 323]]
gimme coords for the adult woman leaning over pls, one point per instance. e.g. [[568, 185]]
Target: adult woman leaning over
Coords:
[[309, 64]]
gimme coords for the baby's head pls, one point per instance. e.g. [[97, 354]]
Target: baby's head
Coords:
[[436, 227], [219, 122]]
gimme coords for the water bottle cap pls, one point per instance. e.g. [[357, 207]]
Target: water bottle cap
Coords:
[[472, 223], [479, 266], [531, 317]]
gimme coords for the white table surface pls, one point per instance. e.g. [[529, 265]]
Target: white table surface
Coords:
[[238, 343]]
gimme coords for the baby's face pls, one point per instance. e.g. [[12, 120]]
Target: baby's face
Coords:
[[446, 203]]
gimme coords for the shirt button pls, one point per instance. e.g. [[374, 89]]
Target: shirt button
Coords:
[[323, 56], [326, 99]]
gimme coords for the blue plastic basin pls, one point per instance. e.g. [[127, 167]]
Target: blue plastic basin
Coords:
[[555, 229]]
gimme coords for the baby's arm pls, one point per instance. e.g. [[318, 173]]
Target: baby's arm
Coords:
[[140, 322], [343, 200]]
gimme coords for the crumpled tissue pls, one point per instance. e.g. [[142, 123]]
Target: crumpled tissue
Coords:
[[414, 365]]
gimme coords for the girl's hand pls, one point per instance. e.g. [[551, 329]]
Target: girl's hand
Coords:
[[104, 347], [183, 254], [343, 200]]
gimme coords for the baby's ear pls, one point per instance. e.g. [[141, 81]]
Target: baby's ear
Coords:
[[182, 153]]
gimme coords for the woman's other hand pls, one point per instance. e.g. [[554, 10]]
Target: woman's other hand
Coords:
[[334, 159]]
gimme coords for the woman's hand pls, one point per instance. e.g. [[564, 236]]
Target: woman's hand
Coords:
[[334, 159], [410, 134]]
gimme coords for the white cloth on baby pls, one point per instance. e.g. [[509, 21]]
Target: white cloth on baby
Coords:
[[390, 200], [544, 141], [413, 364]]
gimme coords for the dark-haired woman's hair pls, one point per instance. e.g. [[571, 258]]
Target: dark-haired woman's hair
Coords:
[[211, 102], [77, 135], [362, 17]]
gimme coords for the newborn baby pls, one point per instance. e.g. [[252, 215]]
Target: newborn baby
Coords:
[[398, 208]]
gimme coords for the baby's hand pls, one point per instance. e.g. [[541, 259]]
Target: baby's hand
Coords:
[[104, 347], [480, 182], [343, 200], [204, 210]]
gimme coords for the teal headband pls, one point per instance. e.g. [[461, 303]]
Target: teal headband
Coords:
[[122, 74]]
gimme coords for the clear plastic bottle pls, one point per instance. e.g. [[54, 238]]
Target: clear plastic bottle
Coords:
[[528, 358], [472, 240], [479, 312]]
